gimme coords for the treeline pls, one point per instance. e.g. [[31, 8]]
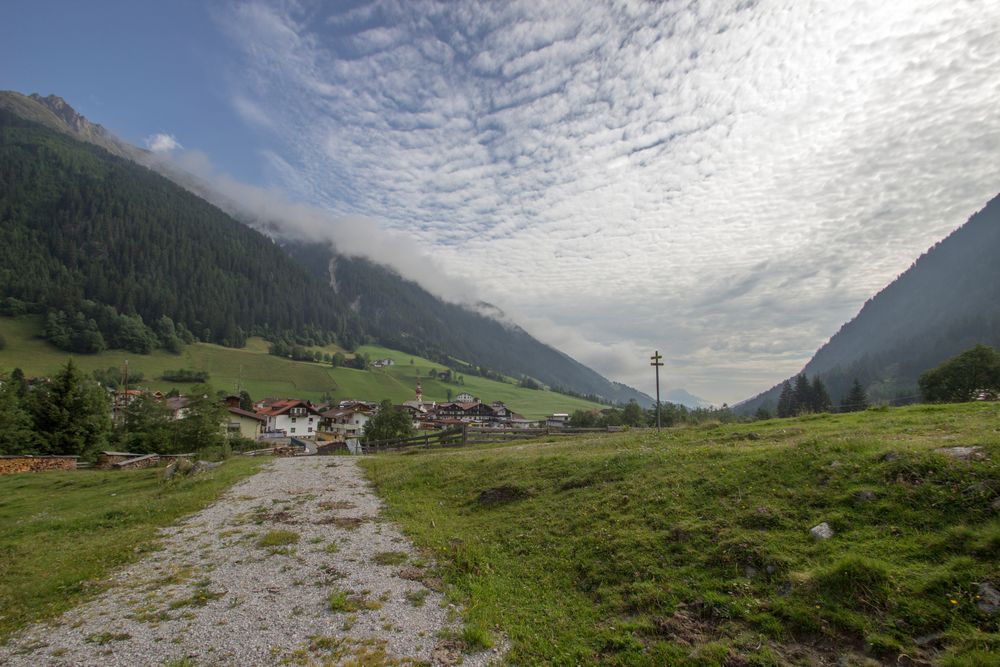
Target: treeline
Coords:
[[632, 414], [282, 348], [185, 375], [70, 414], [82, 227], [812, 397]]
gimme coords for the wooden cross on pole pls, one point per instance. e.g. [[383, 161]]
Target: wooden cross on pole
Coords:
[[656, 363]]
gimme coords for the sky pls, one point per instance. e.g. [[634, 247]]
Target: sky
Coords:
[[725, 182]]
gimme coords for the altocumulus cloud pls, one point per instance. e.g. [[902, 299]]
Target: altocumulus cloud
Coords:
[[725, 181]]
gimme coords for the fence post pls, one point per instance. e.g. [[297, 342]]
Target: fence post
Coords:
[[465, 434]]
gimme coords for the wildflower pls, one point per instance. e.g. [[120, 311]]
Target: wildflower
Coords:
[[954, 601]]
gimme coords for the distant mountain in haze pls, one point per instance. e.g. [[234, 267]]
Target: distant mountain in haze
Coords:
[[945, 303], [92, 226], [685, 398]]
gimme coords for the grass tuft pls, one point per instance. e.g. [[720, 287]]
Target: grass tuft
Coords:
[[277, 538]]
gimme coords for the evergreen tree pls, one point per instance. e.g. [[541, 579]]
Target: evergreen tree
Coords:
[[803, 394], [246, 403], [820, 397], [16, 435], [19, 383], [201, 427], [855, 400], [71, 414], [145, 427], [786, 402]]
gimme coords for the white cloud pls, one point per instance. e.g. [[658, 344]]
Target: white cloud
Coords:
[[162, 143], [727, 182]]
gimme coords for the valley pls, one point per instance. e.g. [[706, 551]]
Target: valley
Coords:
[[252, 369]]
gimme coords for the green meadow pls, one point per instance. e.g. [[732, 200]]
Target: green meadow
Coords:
[[64, 532], [263, 375], [692, 546]]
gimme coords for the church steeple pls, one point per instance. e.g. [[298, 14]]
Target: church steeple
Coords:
[[420, 393]]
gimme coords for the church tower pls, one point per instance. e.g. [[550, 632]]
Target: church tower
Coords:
[[420, 393]]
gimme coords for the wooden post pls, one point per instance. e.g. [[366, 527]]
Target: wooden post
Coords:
[[465, 433], [656, 363]]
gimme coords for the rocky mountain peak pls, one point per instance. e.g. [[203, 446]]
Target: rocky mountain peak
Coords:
[[67, 114]]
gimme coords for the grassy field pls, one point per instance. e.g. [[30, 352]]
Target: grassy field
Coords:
[[264, 375], [693, 546], [63, 532]]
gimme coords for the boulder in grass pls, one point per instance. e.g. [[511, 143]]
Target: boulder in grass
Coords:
[[989, 599], [202, 466], [170, 471], [821, 532]]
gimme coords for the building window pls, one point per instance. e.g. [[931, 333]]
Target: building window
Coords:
[[293, 430]]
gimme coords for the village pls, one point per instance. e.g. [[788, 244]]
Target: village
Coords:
[[322, 427]]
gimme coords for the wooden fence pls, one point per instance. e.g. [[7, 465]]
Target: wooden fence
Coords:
[[451, 437], [481, 435], [469, 434]]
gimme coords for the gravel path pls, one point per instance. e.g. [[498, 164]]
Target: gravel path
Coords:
[[292, 566]]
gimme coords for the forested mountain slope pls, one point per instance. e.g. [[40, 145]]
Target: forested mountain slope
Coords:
[[87, 228], [404, 316], [81, 225], [946, 302]]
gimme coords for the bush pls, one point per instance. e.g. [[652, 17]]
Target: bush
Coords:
[[185, 375], [972, 375]]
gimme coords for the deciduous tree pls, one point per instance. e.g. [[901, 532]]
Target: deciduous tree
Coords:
[[971, 375]]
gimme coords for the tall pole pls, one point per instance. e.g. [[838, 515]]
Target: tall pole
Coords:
[[656, 363]]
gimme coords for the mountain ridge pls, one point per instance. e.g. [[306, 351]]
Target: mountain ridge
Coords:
[[369, 285], [945, 302]]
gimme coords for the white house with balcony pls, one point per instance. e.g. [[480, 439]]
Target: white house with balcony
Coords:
[[296, 418], [348, 421]]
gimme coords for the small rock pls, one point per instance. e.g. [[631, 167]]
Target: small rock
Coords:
[[753, 436], [835, 464], [822, 531], [864, 496], [932, 639], [973, 453], [989, 599], [170, 471], [750, 571], [891, 456], [202, 466]]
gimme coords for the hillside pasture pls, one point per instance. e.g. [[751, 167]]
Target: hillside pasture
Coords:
[[254, 370], [692, 546]]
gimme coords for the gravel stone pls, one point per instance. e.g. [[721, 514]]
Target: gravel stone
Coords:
[[214, 596]]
